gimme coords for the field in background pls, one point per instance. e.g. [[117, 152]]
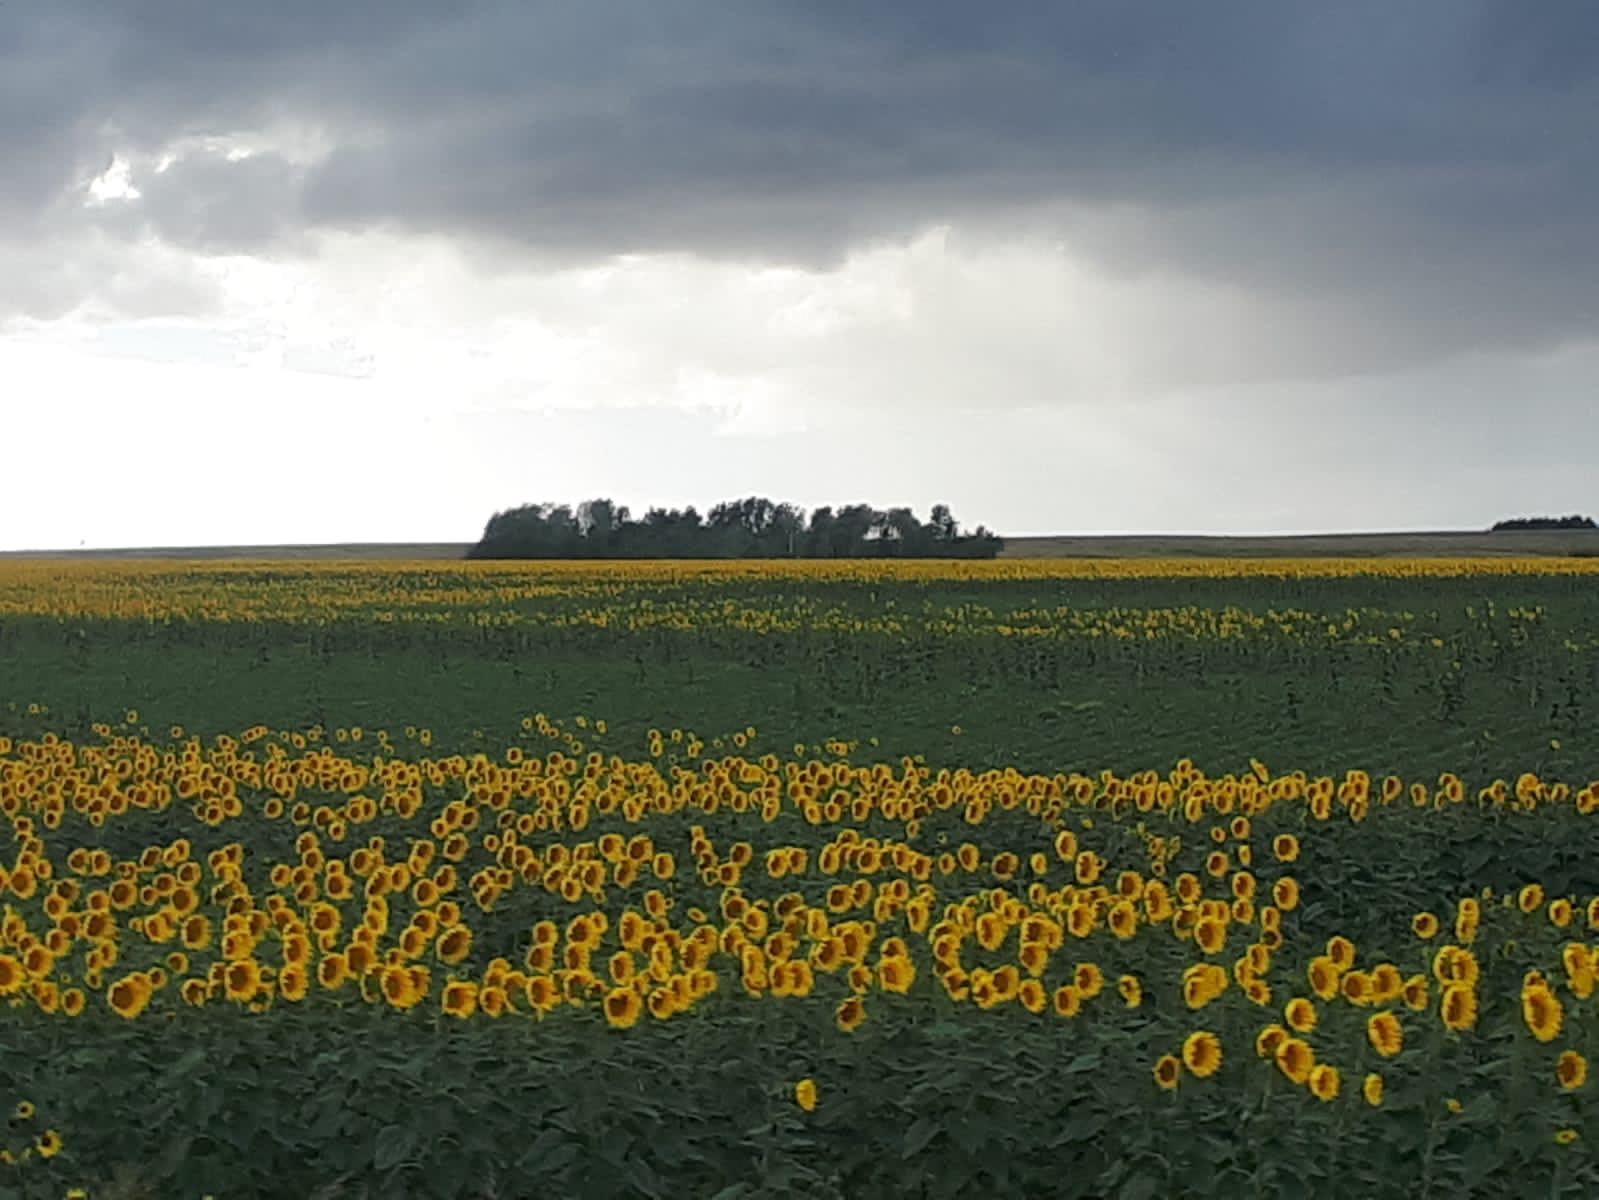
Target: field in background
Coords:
[[1331, 545], [1440, 544], [1062, 876]]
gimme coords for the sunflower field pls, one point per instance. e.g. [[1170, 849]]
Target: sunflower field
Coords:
[[1073, 878]]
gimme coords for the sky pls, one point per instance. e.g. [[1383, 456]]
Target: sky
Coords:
[[372, 270]]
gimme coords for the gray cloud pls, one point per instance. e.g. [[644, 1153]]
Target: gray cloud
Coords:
[[1391, 184]]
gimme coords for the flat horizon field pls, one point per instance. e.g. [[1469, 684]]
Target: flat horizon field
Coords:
[[1427, 543]]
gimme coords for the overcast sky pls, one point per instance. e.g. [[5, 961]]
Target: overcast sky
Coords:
[[324, 270]]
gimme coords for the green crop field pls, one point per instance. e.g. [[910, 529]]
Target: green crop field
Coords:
[[1029, 877]]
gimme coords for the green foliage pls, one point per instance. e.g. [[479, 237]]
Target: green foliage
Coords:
[[926, 1099], [750, 528]]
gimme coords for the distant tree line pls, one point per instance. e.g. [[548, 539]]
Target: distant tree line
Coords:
[[1572, 522], [752, 528]]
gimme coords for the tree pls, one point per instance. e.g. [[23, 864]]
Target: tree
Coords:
[[752, 527]]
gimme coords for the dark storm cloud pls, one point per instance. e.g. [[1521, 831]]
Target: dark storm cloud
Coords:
[[1416, 178]]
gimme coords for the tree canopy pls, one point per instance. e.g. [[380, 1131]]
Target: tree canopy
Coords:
[[1517, 523], [751, 528]]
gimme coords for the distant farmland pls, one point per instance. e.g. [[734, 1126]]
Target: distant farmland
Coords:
[[1579, 542]]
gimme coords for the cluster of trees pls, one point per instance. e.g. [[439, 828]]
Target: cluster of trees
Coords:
[[752, 528], [1572, 522]]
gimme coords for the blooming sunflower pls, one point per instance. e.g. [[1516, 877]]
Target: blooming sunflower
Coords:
[[1285, 893], [129, 996], [850, 1013], [1458, 1007], [1323, 974], [1068, 1000], [242, 980], [1295, 1059], [1268, 1039], [1385, 1033], [1131, 991], [1542, 1011], [1325, 1082], [1202, 1053], [1300, 1014], [1571, 1070]]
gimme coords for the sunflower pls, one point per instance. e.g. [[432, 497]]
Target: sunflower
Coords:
[[1424, 925], [294, 982], [1068, 1000], [895, 974], [1564, 1137], [805, 1094], [196, 932], [1123, 919], [622, 1008], [1286, 847], [1323, 974], [1371, 1089], [399, 987], [1268, 1039], [1342, 952], [1387, 984], [48, 1144], [1571, 1070], [1168, 1070], [1458, 1007], [1032, 996], [1385, 1034], [1300, 1014], [1131, 991], [1295, 1059], [1324, 1082], [1209, 979], [1285, 893], [1542, 1011], [454, 945], [129, 995], [242, 980], [1202, 1053], [1356, 988], [850, 1013], [1089, 979], [1530, 898], [459, 998], [332, 971], [1210, 935]]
